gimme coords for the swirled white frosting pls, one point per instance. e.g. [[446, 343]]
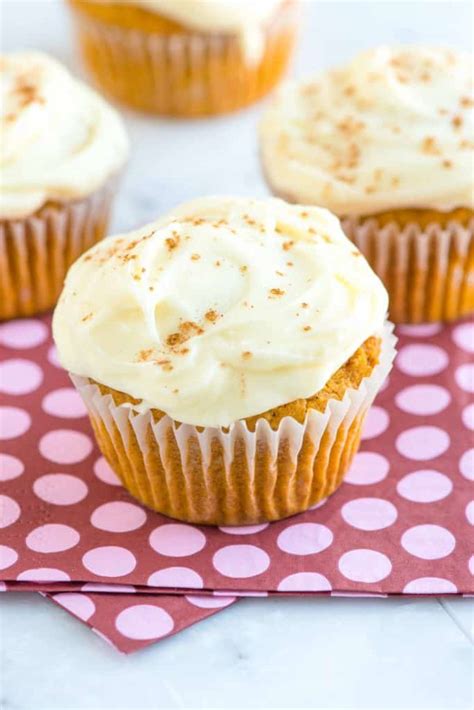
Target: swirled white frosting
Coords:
[[59, 139], [244, 18], [392, 129], [221, 310]]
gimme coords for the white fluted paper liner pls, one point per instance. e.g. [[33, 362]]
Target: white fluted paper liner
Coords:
[[36, 251], [291, 436], [428, 272]]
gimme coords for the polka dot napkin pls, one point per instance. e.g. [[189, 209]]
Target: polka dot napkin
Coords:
[[130, 621], [401, 522]]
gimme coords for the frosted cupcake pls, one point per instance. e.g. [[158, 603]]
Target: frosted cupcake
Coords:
[[386, 143], [61, 151], [186, 57], [227, 355]]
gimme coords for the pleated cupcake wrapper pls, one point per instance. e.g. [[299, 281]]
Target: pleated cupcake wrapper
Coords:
[[234, 476], [429, 273], [184, 74], [36, 251]]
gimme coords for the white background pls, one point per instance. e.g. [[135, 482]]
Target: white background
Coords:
[[259, 653]]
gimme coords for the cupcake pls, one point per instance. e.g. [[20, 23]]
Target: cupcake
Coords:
[[227, 355], [186, 57], [61, 152], [386, 143]]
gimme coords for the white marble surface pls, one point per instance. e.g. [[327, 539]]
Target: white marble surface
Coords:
[[288, 653], [259, 653]]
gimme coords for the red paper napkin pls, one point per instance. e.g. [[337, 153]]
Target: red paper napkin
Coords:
[[400, 523], [130, 622]]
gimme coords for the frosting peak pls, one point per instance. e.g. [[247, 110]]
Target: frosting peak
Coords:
[[392, 129], [59, 140], [221, 310]]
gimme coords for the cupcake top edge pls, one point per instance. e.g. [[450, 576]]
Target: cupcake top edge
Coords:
[[244, 18], [392, 129], [60, 140], [222, 309]]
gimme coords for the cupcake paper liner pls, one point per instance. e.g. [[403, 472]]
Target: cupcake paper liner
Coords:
[[429, 273], [36, 251], [235, 476], [188, 74]]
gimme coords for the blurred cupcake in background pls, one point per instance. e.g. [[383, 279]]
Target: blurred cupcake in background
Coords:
[[227, 355], [186, 58], [387, 143], [61, 152]]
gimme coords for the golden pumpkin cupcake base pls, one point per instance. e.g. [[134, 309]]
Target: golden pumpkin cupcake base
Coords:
[[425, 260], [235, 476], [36, 251], [160, 67]]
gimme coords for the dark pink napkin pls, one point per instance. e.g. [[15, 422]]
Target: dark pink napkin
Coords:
[[130, 622], [401, 523]]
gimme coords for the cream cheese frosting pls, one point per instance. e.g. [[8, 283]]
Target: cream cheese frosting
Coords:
[[244, 18], [392, 129], [59, 139], [221, 310]]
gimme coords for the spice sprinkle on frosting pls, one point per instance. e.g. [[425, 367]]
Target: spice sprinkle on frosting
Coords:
[[221, 310]]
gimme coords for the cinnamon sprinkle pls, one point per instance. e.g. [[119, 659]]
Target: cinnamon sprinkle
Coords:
[[164, 364], [172, 242], [430, 146], [211, 315], [186, 330], [27, 93], [144, 355]]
